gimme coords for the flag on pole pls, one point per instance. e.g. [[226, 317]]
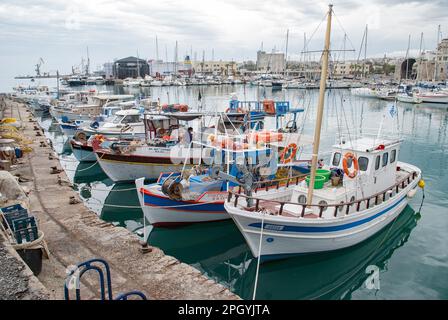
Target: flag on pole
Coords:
[[393, 111]]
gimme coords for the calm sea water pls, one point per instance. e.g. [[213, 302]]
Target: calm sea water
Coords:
[[411, 253]]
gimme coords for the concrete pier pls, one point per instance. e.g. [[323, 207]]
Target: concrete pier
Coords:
[[75, 234]]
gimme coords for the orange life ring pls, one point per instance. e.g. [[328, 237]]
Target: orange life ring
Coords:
[[183, 108], [291, 156], [347, 156]]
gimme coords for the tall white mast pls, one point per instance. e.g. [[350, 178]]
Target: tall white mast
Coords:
[[320, 107], [436, 64], [286, 53]]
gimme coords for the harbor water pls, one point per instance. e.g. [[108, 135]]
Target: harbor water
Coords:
[[410, 254]]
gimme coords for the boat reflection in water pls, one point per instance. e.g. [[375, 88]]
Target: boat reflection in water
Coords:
[[121, 207], [219, 251], [90, 172]]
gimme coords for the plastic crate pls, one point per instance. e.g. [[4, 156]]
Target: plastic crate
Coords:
[[25, 229]]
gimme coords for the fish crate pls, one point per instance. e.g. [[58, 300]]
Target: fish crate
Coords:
[[12, 213], [25, 230]]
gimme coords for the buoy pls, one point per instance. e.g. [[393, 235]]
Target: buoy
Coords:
[[421, 183]]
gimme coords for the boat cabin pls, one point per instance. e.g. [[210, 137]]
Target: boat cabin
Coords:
[[359, 169]]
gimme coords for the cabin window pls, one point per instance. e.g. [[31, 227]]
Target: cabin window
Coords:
[[385, 158], [336, 159], [131, 119], [377, 162], [117, 119], [363, 163], [302, 199], [393, 156]]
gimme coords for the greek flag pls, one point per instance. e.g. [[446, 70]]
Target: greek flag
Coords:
[[393, 111]]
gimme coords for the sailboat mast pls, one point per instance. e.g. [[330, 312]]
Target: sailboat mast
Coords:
[[365, 52], [320, 107], [407, 57], [420, 54], [286, 52], [436, 63]]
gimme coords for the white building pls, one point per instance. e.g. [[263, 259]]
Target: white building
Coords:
[[163, 68], [109, 70], [223, 68], [270, 62]]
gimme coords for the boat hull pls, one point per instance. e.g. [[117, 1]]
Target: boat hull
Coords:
[[128, 168], [83, 153], [294, 236], [161, 211]]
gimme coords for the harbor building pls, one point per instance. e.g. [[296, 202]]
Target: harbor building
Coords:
[[222, 68], [270, 62], [430, 66], [348, 69], [164, 68], [108, 68], [130, 67]]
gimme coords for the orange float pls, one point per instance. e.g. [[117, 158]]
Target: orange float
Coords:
[[347, 156], [269, 106], [291, 147]]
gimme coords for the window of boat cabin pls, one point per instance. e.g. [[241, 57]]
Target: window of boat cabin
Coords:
[[131, 118], [336, 159], [393, 156], [385, 158], [363, 163], [377, 162]]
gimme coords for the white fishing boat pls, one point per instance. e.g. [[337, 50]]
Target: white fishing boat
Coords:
[[125, 124], [368, 189], [364, 92], [164, 148], [409, 98], [87, 110], [433, 97]]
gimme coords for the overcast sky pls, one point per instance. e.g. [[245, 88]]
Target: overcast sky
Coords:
[[60, 31]]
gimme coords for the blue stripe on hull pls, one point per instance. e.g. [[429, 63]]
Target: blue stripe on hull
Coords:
[[286, 228], [156, 201]]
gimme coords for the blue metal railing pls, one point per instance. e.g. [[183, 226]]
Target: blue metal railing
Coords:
[[105, 281]]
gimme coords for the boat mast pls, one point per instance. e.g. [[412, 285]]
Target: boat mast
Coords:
[[286, 53], [364, 73], [420, 67], [407, 57], [436, 64], [320, 107]]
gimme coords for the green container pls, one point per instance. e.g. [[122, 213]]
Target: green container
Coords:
[[318, 181], [325, 173]]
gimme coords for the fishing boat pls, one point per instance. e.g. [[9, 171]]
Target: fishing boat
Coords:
[[363, 189], [125, 124], [88, 110], [198, 194], [433, 97], [164, 148], [409, 97]]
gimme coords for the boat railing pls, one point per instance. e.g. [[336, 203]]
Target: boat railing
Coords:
[[369, 201]]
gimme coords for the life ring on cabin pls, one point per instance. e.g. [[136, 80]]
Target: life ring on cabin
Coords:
[[183, 108], [353, 173], [291, 147]]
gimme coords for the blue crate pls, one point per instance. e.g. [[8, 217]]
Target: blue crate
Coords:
[[25, 229]]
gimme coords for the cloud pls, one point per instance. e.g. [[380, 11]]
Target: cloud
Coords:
[[60, 31]]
